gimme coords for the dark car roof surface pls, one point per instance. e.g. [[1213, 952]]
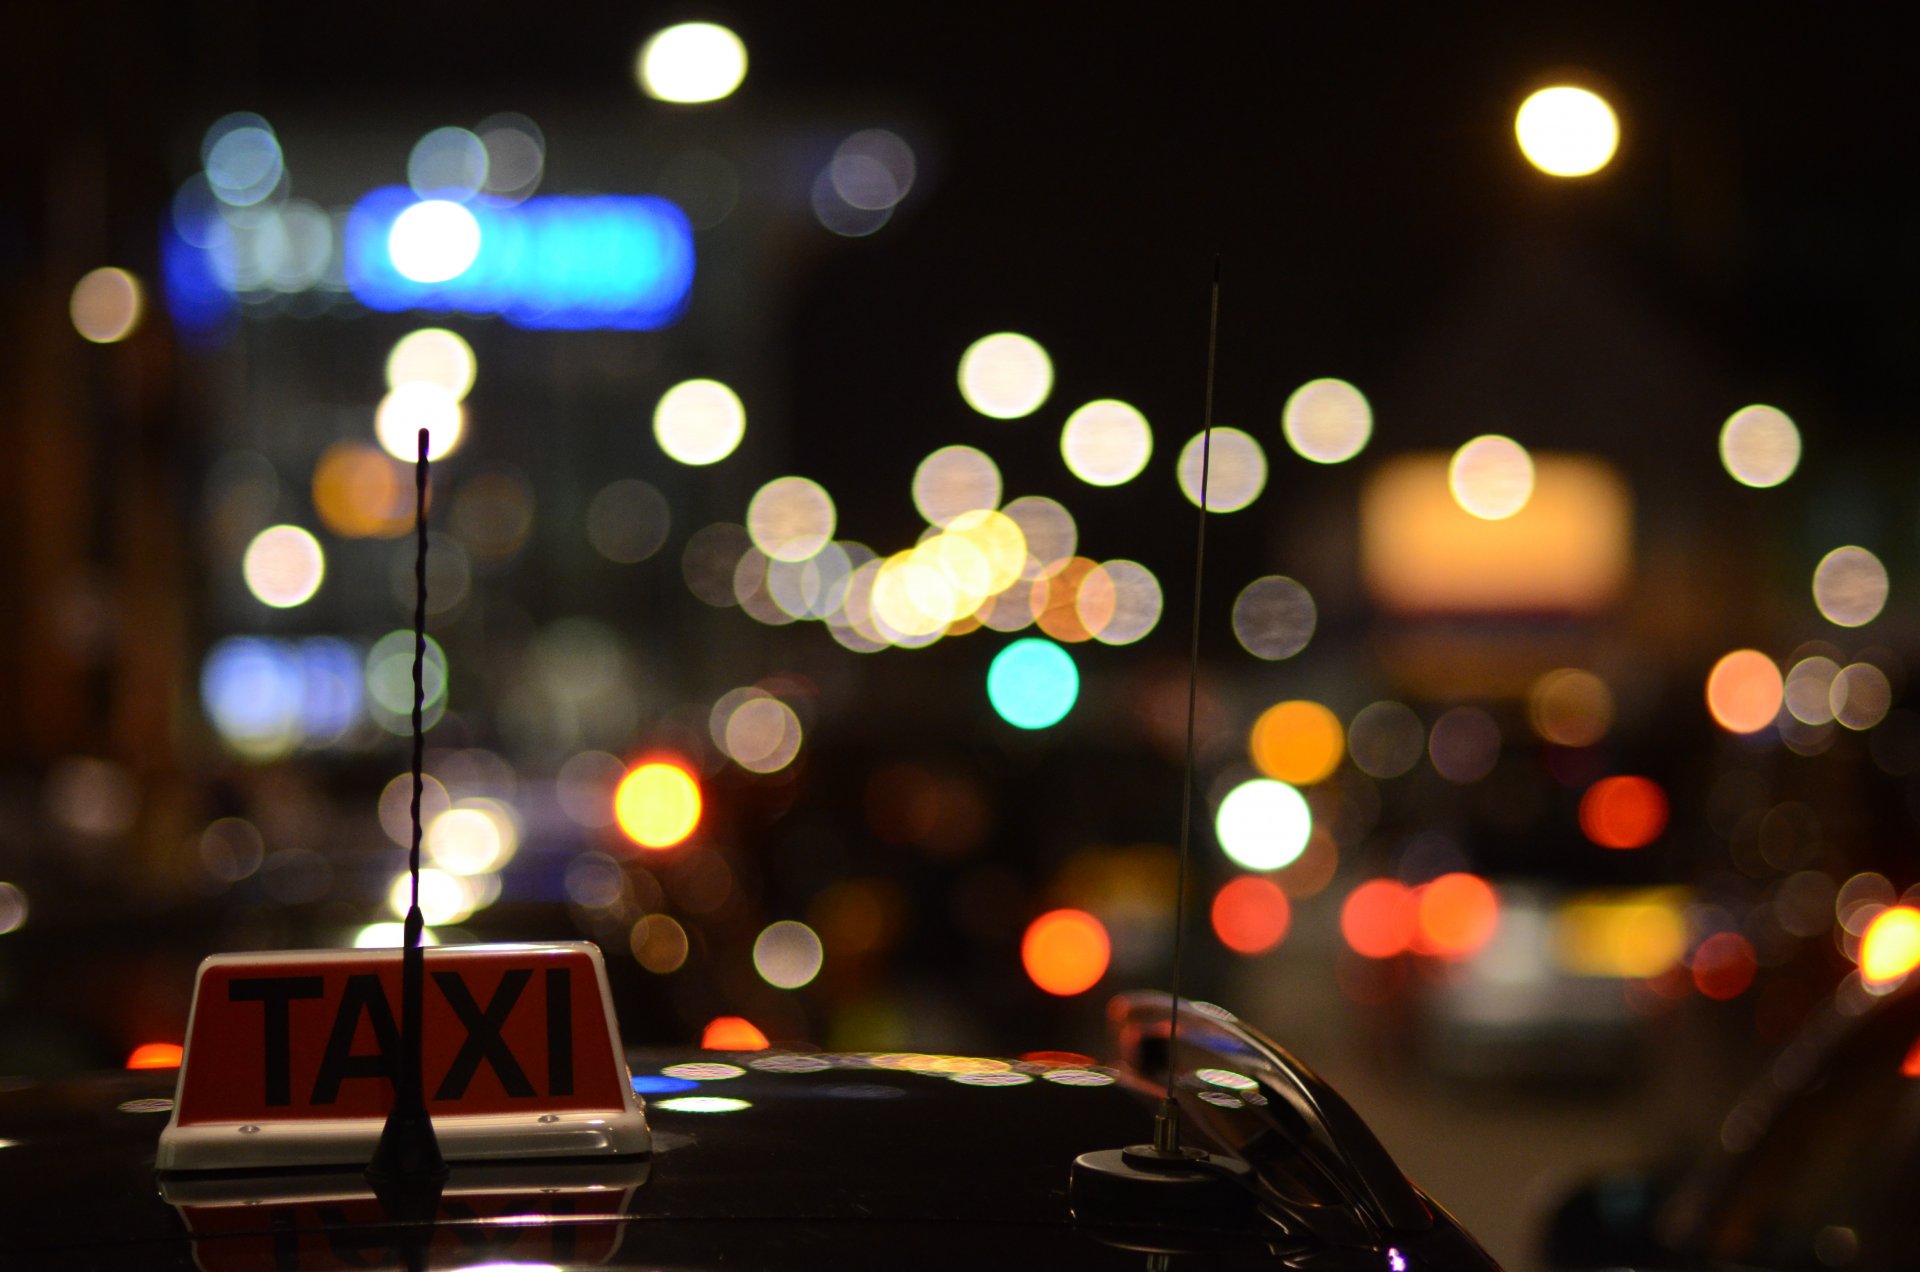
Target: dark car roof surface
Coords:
[[804, 1159]]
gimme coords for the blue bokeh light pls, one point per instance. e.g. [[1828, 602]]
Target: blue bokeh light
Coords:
[[622, 262], [1033, 683], [659, 1084]]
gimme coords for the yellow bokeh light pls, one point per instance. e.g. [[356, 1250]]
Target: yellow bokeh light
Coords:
[[1629, 935], [699, 422], [444, 898], [106, 305], [690, 63], [1744, 691], [433, 355], [657, 804], [283, 566], [1297, 742], [1006, 375], [791, 518], [898, 587], [1491, 477], [473, 838], [1236, 469], [1890, 947], [411, 407], [1000, 542], [955, 480], [1106, 443], [1327, 421], [360, 492], [1570, 707], [1760, 446], [659, 944], [1566, 131], [1850, 587]]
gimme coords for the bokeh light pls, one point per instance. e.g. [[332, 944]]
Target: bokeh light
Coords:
[[955, 480], [1455, 916], [1274, 617], [283, 566], [1065, 952], [628, 521], [731, 1033], [1860, 696], [1890, 947], [475, 837], [434, 241], [1129, 597], [1050, 531], [761, 734], [1570, 707], [13, 908], [1250, 914], [1850, 587], [1327, 421], [1386, 739], [155, 1055], [1744, 691], [659, 944], [1298, 742], [1236, 469], [1263, 824], [361, 492], [791, 518], [106, 305], [1464, 745], [1491, 477], [1760, 446], [1033, 683], [1005, 376], [1623, 812], [242, 159], [1723, 966], [1566, 131], [433, 355], [690, 63], [1379, 918], [699, 422], [444, 898], [657, 804], [415, 405], [1106, 442], [787, 954]]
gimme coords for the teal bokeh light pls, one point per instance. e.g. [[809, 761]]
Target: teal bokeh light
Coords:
[[1033, 683]]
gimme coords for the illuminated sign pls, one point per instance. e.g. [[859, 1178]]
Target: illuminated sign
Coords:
[[291, 1055], [564, 262]]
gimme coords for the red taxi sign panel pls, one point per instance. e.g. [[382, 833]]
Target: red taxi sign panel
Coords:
[[290, 1057]]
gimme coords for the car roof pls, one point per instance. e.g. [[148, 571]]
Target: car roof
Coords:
[[771, 1152]]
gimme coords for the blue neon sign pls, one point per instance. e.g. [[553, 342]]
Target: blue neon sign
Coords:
[[571, 262]]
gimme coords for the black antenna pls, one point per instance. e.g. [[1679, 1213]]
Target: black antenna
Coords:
[[409, 1152], [1165, 1181], [1166, 1123]]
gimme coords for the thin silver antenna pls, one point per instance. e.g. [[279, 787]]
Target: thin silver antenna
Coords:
[[1166, 1123]]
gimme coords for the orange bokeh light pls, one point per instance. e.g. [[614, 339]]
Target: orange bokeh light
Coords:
[[1623, 812], [1743, 691], [155, 1055], [1065, 951], [1299, 742], [1454, 916], [657, 804], [1890, 947], [1723, 966], [1251, 914], [1378, 918], [732, 1033]]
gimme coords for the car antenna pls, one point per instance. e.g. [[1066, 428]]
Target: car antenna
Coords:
[[1166, 1179], [409, 1152]]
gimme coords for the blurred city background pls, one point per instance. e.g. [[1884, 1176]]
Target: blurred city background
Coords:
[[815, 401]]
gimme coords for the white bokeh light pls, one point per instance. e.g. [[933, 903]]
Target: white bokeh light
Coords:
[[1263, 824], [434, 241], [1491, 477], [699, 422], [283, 566], [1236, 469], [691, 63]]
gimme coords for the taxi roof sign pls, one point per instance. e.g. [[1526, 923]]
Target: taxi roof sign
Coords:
[[291, 1055]]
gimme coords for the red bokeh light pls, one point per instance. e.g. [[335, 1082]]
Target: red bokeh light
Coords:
[[155, 1055], [1251, 915], [1378, 918], [1723, 966], [1454, 916], [732, 1033], [1065, 951], [1623, 812]]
